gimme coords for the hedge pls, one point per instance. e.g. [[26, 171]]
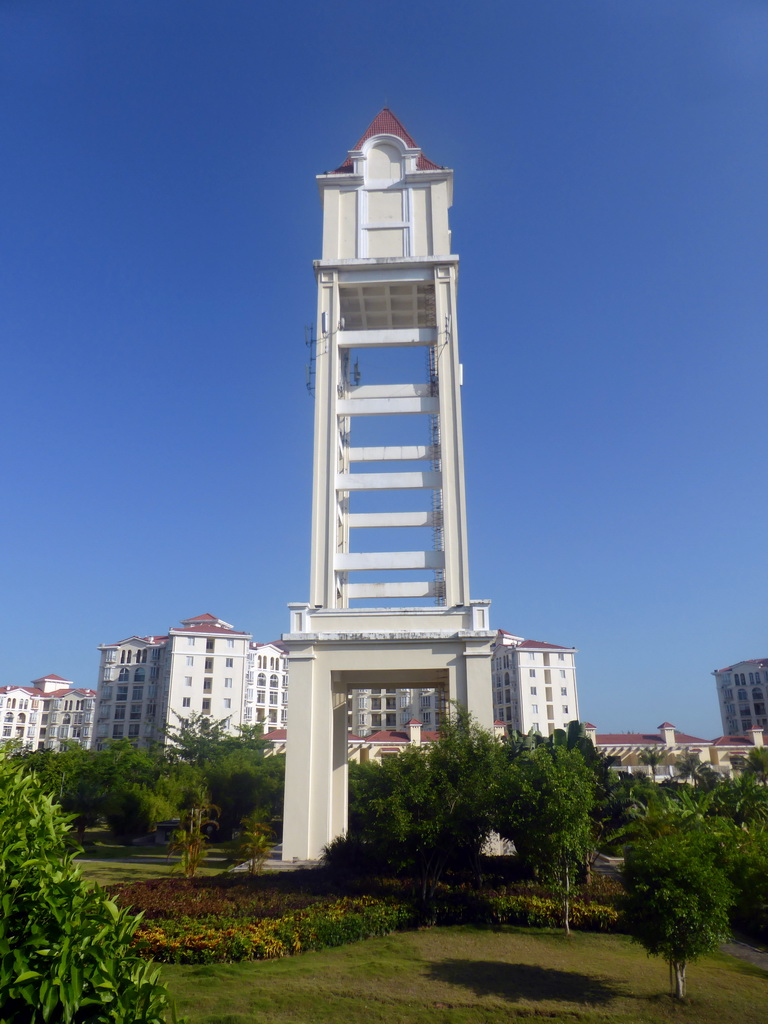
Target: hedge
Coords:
[[189, 941]]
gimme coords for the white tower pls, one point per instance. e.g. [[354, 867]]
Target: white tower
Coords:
[[389, 594]]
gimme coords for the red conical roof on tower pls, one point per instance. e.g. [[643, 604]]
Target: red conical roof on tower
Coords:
[[385, 123]]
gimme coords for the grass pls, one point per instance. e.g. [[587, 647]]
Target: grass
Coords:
[[107, 861], [466, 975]]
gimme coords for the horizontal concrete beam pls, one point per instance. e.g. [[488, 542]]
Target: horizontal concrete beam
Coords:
[[390, 391], [391, 453], [393, 590], [389, 560], [386, 406], [385, 519], [396, 336], [388, 481]]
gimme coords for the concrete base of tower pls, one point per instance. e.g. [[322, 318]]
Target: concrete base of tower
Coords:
[[333, 651]]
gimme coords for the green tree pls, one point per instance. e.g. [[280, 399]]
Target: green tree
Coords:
[[652, 757], [433, 803], [190, 837], [677, 900], [549, 794], [756, 765], [254, 843], [65, 948]]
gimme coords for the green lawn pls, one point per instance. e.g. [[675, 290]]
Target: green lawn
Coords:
[[466, 975], [106, 861]]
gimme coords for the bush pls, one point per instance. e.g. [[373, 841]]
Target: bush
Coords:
[[316, 927], [65, 952]]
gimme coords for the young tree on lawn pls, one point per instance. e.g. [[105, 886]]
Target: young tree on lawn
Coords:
[[677, 900], [549, 795]]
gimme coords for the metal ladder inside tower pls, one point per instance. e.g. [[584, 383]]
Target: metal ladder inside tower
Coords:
[[436, 453]]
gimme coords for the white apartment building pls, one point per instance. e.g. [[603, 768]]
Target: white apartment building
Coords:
[[534, 684], [202, 667], [741, 692], [45, 715], [372, 709]]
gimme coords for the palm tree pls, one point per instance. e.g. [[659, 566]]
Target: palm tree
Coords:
[[652, 757], [756, 764], [689, 766]]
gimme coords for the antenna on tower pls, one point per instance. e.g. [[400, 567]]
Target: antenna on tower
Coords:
[[310, 341]]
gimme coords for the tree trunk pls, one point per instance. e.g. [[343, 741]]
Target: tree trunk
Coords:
[[567, 902], [679, 971]]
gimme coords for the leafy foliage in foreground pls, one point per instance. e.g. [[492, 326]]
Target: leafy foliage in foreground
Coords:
[[65, 953]]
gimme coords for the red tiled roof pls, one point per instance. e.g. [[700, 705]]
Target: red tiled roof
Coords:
[[205, 617], [414, 721], [647, 738], [59, 679], [738, 741], [275, 734], [531, 644], [762, 662], [385, 123], [393, 736], [203, 628]]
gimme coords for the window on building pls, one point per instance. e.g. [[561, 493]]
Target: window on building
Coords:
[[563, 691], [561, 657], [229, 662], [532, 673], [274, 681], [190, 641], [565, 709], [227, 702], [206, 705], [139, 675], [376, 703], [209, 664], [137, 693], [230, 642], [272, 697], [376, 721], [123, 675], [119, 712], [207, 684], [533, 691], [228, 683], [285, 696], [190, 659], [135, 711], [122, 693], [133, 731], [391, 703], [534, 709], [391, 721], [210, 644], [426, 700], [187, 680], [117, 732], [261, 696]]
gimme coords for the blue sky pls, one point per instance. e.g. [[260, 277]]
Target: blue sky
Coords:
[[159, 221]]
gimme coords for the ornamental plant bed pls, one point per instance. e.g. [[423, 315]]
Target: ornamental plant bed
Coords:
[[164, 899]]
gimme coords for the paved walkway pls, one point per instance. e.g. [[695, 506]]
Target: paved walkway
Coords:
[[743, 951]]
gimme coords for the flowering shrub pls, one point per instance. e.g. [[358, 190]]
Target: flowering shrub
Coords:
[[316, 927], [526, 909], [172, 898]]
